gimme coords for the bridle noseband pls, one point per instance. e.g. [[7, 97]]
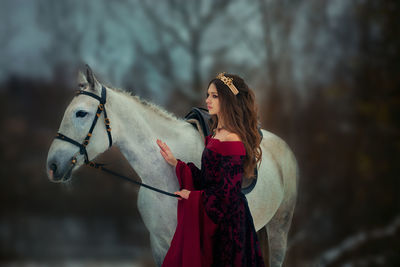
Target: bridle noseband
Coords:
[[101, 107]]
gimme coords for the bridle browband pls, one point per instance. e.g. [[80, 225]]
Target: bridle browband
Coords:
[[100, 108], [82, 147]]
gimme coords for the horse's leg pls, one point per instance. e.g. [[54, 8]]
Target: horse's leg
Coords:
[[277, 230], [157, 223], [263, 241], [157, 250]]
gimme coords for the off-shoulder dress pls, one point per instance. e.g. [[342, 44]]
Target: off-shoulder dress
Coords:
[[215, 226]]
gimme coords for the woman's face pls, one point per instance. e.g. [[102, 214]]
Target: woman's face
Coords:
[[212, 100]]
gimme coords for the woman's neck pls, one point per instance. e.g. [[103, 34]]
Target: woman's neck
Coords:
[[220, 124], [219, 127]]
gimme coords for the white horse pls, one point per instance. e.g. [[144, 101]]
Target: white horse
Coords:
[[136, 124]]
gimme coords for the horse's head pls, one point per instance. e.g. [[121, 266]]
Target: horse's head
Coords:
[[65, 156]]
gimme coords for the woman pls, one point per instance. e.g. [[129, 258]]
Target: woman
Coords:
[[215, 227]]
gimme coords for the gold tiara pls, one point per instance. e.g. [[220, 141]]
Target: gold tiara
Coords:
[[228, 81]]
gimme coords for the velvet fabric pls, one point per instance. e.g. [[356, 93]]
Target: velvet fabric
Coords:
[[215, 226]]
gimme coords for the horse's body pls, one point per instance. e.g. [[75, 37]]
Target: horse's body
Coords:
[[136, 125]]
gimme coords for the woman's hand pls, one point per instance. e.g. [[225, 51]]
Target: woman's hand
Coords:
[[183, 193], [166, 153]]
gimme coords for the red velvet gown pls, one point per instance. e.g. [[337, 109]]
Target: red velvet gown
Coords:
[[215, 227]]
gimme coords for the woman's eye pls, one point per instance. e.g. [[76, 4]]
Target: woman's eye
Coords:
[[215, 96], [81, 114]]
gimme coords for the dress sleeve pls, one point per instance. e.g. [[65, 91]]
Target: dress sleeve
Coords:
[[219, 200], [192, 242], [189, 176]]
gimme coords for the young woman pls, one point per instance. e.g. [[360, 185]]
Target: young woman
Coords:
[[215, 227]]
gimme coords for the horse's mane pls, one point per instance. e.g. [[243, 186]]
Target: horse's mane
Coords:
[[155, 108]]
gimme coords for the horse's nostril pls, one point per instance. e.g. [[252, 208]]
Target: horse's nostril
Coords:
[[53, 167]]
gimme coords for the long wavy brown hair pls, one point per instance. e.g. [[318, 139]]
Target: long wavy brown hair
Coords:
[[240, 115]]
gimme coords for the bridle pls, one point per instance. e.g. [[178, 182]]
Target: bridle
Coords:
[[82, 146], [100, 108]]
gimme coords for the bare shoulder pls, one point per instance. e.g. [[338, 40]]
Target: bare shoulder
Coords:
[[232, 137]]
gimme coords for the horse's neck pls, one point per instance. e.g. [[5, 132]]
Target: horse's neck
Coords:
[[135, 129]]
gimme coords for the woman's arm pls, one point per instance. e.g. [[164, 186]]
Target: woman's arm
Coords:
[[189, 176], [220, 200]]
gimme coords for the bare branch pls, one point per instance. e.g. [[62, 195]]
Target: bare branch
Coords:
[[356, 240]]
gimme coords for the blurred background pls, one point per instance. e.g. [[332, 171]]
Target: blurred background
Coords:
[[326, 78]]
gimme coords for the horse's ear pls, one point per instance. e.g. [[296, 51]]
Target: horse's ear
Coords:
[[82, 82], [94, 85]]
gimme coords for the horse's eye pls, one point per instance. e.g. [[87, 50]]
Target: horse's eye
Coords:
[[81, 114]]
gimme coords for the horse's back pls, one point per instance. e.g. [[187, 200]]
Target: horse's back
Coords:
[[277, 179]]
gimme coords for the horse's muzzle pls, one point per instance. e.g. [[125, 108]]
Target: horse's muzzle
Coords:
[[59, 172]]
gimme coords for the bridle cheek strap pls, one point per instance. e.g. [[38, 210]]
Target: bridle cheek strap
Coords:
[[101, 108]]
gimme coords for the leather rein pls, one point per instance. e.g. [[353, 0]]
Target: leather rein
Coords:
[[82, 146]]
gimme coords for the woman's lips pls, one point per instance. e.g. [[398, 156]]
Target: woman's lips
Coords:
[[208, 107]]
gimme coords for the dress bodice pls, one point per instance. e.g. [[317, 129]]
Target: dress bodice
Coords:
[[215, 154]]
